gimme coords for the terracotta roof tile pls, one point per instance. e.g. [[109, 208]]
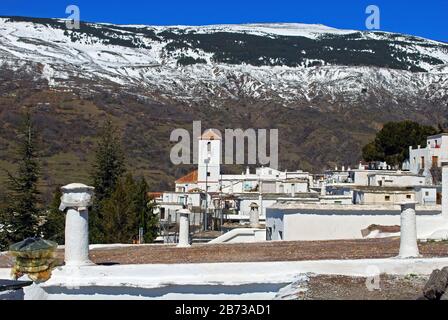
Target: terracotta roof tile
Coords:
[[192, 177], [211, 134], [155, 194]]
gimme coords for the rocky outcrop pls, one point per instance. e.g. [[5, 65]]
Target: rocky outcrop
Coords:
[[436, 287]]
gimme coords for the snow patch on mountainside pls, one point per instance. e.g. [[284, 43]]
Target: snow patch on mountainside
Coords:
[[311, 31]]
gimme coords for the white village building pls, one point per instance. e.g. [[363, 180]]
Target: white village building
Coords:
[[424, 158], [383, 185]]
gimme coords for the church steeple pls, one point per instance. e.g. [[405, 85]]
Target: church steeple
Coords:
[[209, 160]]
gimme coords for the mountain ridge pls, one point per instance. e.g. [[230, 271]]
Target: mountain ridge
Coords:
[[142, 56]]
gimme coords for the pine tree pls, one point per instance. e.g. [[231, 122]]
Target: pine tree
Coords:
[[21, 217], [121, 219], [145, 209], [108, 168], [54, 227], [127, 210], [109, 165], [391, 143]]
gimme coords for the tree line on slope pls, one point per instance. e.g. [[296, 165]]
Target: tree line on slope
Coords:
[[348, 50], [121, 207], [391, 143]]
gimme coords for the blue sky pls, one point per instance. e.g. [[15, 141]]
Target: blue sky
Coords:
[[423, 18]]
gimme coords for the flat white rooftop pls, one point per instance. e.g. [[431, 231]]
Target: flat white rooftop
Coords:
[[290, 205]]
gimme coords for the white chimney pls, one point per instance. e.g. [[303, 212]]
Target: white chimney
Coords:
[[254, 215], [76, 198], [184, 228], [323, 189], [408, 231]]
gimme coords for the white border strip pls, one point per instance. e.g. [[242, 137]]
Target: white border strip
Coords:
[[161, 275]]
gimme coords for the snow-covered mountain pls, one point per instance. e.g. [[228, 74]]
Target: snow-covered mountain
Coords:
[[289, 64]]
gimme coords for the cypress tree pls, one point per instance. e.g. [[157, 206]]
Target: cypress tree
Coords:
[[145, 209], [108, 168]]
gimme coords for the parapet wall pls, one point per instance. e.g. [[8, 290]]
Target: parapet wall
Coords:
[[333, 227]]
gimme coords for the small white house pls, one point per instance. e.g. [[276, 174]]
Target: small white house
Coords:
[[423, 158], [395, 179], [386, 178], [336, 199], [428, 195], [383, 195], [170, 202]]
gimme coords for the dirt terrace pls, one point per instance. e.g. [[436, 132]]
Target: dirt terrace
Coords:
[[256, 252], [389, 287]]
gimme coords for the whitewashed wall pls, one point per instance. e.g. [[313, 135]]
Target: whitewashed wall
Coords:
[[245, 206], [426, 195], [323, 226], [395, 180], [328, 227]]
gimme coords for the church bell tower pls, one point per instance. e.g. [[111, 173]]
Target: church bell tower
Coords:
[[209, 160]]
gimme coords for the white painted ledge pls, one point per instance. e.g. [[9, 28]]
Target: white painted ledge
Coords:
[[161, 275], [241, 235]]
